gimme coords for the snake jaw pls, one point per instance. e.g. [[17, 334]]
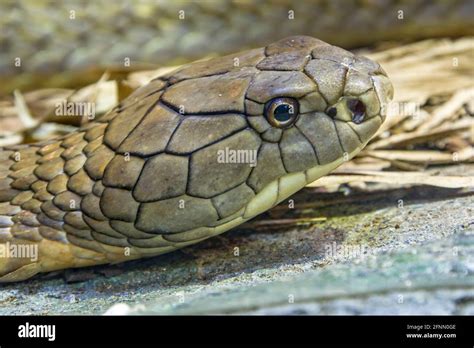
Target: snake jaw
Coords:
[[285, 186]]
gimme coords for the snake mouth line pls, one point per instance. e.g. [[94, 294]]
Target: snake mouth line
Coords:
[[283, 187]]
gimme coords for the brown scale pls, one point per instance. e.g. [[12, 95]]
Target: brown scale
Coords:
[[269, 155], [168, 173], [102, 226]]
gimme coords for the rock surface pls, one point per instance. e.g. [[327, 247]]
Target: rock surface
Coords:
[[399, 252]]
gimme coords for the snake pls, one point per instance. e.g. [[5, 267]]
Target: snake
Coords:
[[188, 156]]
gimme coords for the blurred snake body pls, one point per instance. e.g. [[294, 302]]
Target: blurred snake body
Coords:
[[54, 43]]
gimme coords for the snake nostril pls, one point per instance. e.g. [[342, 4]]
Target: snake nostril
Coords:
[[332, 112], [358, 110]]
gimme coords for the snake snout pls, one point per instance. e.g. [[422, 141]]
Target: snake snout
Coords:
[[355, 114], [384, 89]]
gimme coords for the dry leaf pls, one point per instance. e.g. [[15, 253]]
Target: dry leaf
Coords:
[[400, 178]]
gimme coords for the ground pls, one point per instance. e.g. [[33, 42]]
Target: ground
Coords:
[[399, 251]]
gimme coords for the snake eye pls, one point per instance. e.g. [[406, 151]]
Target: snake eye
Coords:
[[282, 112], [358, 110]]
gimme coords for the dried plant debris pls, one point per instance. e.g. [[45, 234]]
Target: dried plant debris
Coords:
[[47, 113], [430, 123], [399, 177]]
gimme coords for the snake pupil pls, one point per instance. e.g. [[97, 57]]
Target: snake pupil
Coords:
[[358, 110], [282, 112]]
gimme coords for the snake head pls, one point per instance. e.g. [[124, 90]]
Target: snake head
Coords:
[[300, 105], [232, 136], [315, 106], [319, 95]]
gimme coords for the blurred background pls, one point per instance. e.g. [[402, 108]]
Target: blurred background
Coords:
[[84, 37]]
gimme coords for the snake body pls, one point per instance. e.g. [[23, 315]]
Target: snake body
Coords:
[[146, 178], [49, 36]]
